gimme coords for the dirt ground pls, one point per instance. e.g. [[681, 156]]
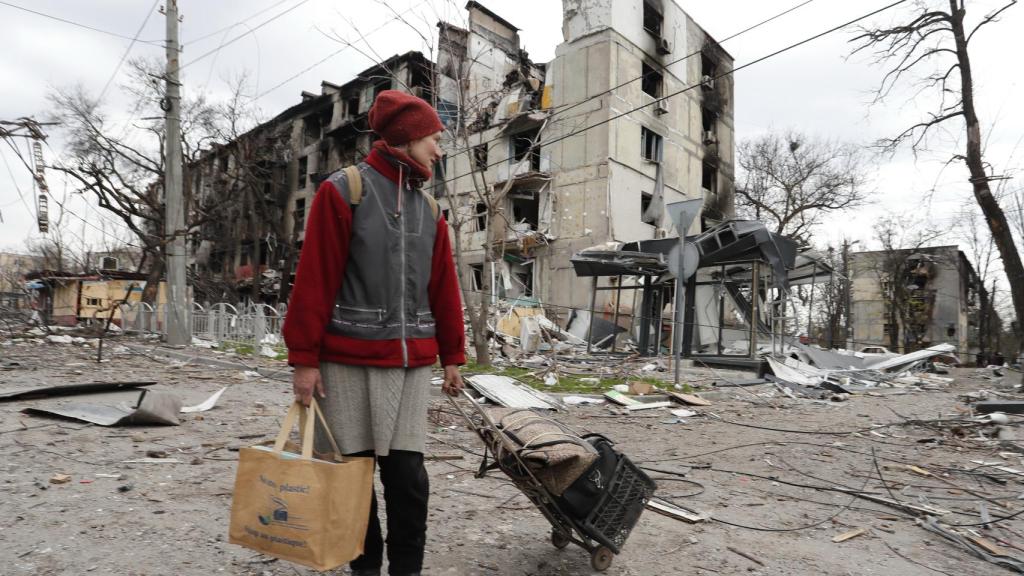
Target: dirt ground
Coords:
[[172, 518]]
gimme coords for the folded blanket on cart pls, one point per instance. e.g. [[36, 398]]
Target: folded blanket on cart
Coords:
[[555, 454]]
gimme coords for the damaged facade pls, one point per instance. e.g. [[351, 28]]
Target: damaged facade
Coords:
[[532, 203], [911, 299], [266, 179], [537, 203]]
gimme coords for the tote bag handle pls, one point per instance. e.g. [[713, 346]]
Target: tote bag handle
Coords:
[[306, 427]]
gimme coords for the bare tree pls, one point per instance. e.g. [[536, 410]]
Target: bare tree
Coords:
[[124, 169], [933, 42], [827, 302], [791, 181], [980, 248]]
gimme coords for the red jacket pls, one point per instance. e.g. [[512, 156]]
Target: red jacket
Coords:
[[319, 277]]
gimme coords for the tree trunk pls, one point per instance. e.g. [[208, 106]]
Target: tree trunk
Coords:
[[479, 312], [994, 215], [156, 273]]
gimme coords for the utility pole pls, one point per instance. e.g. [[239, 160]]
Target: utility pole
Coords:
[[849, 286], [176, 311]]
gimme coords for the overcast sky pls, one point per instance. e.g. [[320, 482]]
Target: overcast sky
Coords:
[[815, 89]]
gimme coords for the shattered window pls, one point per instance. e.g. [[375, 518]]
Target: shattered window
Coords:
[[707, 120], [440, 169], [481, 217], [526, 208], [652, 19], [480, 157], [522, 280], [353, 106], [650, 143], [645, 202], [477, 271], [303, 171], [380, 86], [522, 145], [652, 81], [709, 177], [300, 214]]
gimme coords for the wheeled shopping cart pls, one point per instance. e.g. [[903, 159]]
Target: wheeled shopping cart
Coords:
[[602, 528]]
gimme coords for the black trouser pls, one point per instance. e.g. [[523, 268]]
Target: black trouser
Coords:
[[406, 489]]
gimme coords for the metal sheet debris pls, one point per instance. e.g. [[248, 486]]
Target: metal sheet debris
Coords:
[[68, 389], [912, 358], [510, 393], [1007, 406], [150, 407]]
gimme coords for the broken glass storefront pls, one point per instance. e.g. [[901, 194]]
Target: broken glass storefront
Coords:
[[734, 301]]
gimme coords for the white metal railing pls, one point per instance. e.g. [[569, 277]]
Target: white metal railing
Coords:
[[141, 318], [255, 324]]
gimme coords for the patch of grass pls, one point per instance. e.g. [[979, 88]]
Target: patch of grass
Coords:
[[566, 383], [244, 348]]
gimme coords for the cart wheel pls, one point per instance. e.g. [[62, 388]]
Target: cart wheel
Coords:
[[559, 539], [601, 558]]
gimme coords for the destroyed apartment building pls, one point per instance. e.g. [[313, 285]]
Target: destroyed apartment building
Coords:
[[267, 177], [912, 299], [588, 155], [544, 160]]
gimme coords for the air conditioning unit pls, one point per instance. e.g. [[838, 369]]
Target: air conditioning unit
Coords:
[[710, 137], [664, 47], [707, 82], [660, 107]]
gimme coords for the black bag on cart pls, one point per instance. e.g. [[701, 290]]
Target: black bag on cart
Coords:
[[585, 493]]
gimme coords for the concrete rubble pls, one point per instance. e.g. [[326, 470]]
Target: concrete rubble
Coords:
[[880, 456]]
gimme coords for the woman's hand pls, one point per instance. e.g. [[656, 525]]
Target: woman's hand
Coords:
[[305, 381], [452, 380]]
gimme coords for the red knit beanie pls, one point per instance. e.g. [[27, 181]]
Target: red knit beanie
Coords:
[[400, 118]]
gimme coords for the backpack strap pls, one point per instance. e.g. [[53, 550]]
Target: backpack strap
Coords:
[[434, 208], [355, 185], [355, 190]]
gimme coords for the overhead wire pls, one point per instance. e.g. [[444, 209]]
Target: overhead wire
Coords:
[[73, 23], [240, 36], [127, 50], [663, 67], [230, 26], [661, 99], [14, 181], [328, 57]]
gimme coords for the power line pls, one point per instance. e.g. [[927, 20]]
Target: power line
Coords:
[[14, 181], [73, 23], [688, 88], [662, 66], [228, 28], [326, 58], [240, 36], [128, 50], [59, 203]]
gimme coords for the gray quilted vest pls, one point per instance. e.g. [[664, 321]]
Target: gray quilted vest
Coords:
[[383, 294]]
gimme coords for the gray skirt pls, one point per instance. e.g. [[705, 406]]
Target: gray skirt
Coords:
[[379, 409]]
